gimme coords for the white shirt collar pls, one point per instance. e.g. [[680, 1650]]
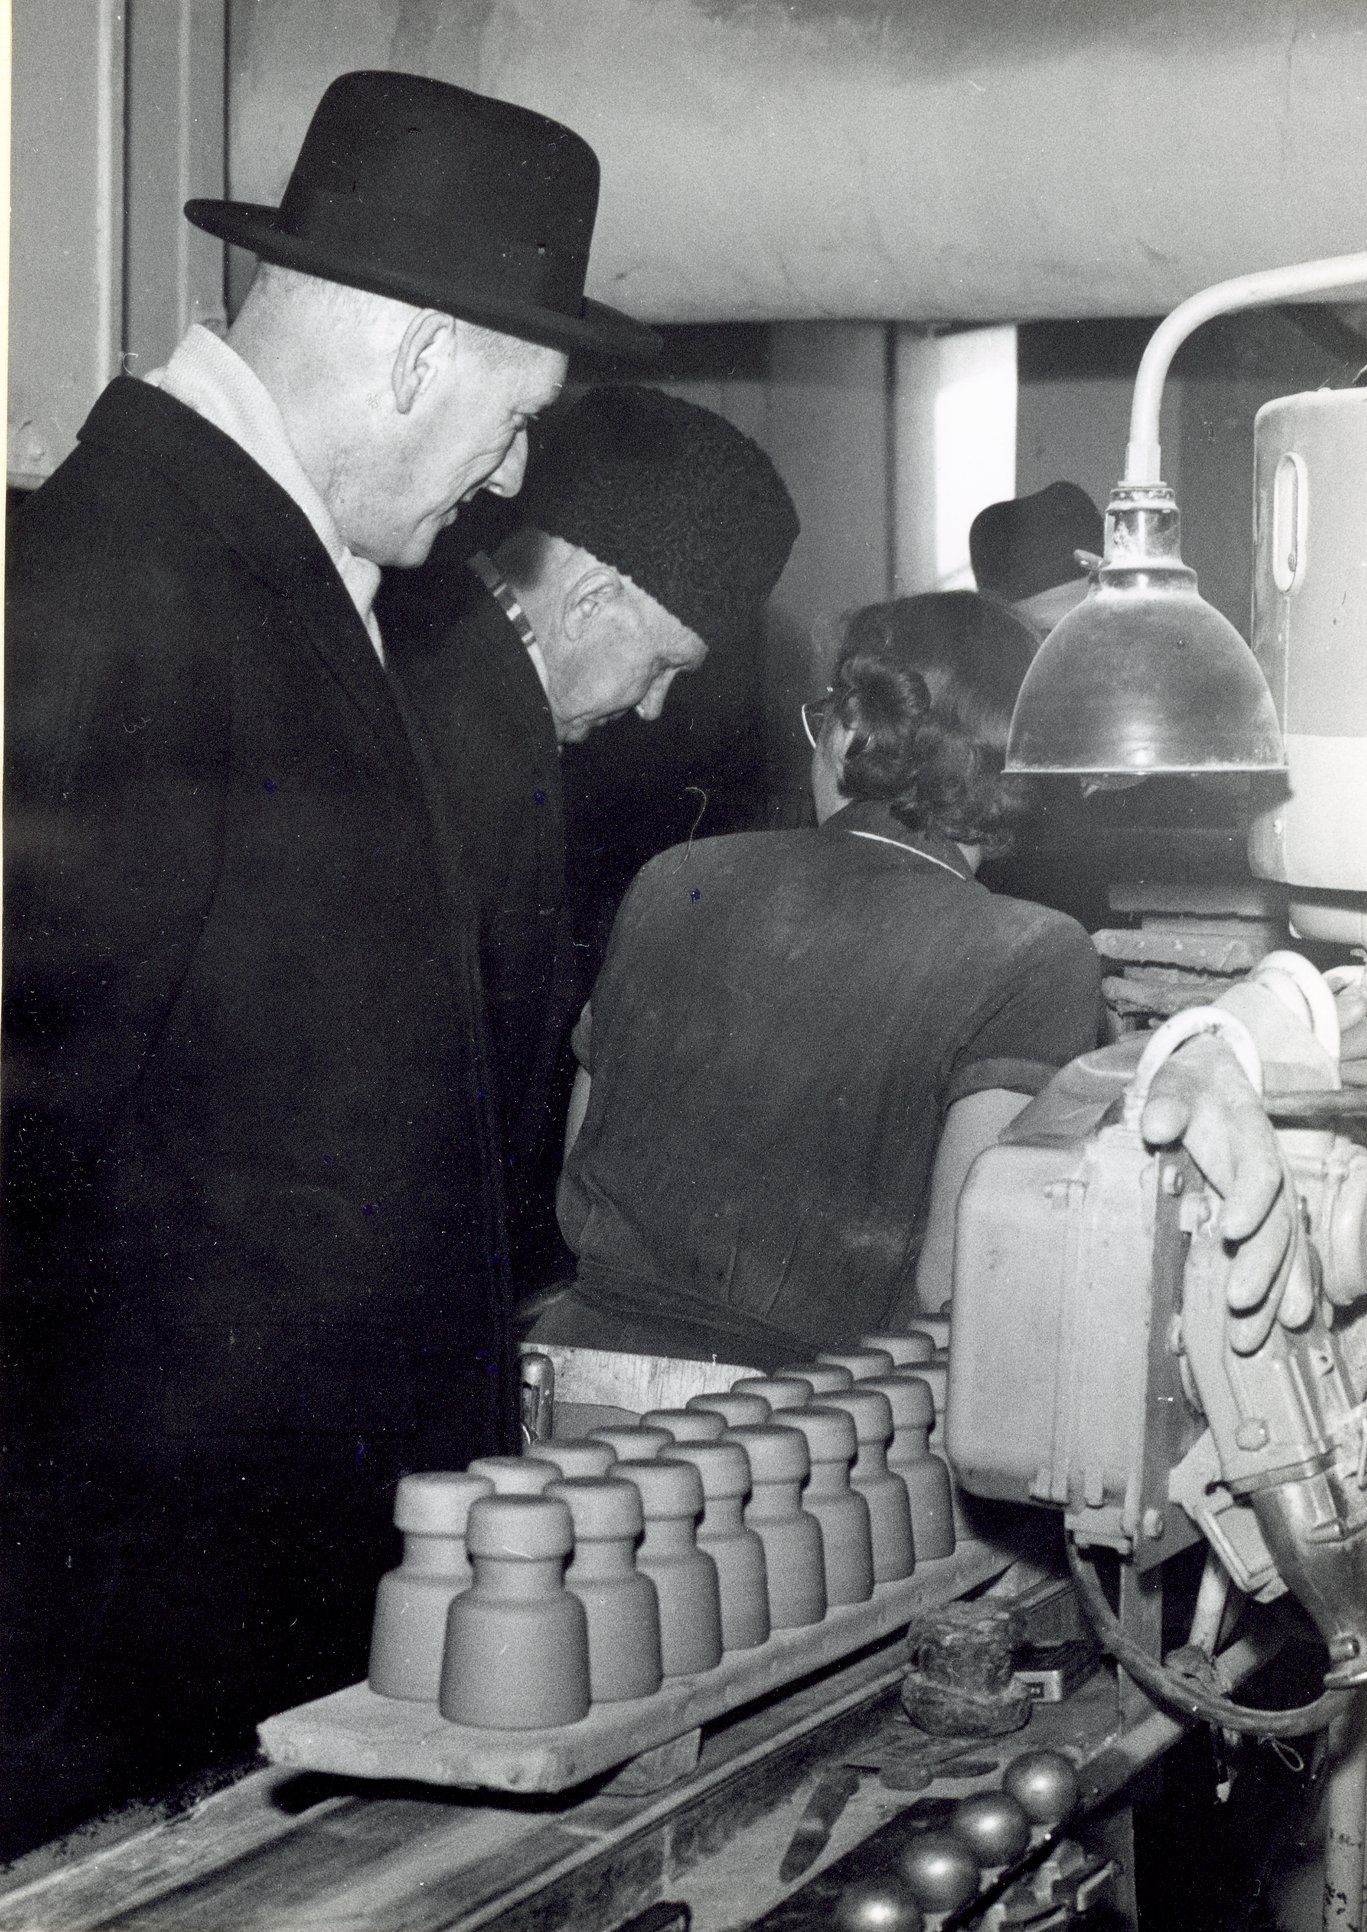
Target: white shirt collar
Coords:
[[213, 380]]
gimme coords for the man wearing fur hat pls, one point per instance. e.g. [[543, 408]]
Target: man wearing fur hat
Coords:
[[650, 531], [253, 1220]]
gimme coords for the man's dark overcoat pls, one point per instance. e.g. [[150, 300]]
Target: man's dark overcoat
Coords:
[[475, 691], [252, 1223]]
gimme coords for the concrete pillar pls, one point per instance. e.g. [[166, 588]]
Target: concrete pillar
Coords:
[[66, 235], [118, 121], [954, 447], [177, 55], [828, 429]]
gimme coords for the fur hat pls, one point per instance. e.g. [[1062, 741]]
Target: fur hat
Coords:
[[673, 496], [1023, 546]]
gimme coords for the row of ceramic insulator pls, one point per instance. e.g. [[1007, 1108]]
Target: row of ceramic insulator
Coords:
[[590, 1571]]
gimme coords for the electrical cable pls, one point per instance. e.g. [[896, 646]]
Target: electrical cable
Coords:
[[1166, 1687]]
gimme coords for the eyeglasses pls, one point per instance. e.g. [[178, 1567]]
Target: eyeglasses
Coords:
[[814, 715]]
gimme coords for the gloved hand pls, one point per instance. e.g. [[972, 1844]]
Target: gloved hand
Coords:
[[1201, 1098], [1351, 1001]]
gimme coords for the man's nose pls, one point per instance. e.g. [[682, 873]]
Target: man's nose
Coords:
[[507, 478]]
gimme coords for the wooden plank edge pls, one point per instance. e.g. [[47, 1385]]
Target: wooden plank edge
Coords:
[[356, 1733]]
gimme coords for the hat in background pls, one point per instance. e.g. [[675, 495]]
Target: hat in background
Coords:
[[1021, 547], [434, 195], [672, 495]]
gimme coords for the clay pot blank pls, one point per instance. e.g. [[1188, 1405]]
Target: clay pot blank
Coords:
[[687, 1425], [935, 1375], [517, 1653], [909, 1456], [781, 1392], [906, 1350], [843, 1516], [632, 1443], [620, 1605], [793, 1560], [684, 1576], [581, 1458], [824, 1377], [886, 1495], [409, 1632], [863, 1363], [737, 1552], [736, 1411], [515, 1475]]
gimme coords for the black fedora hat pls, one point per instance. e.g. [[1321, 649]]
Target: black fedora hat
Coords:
[[1026, 544], [441, 197]]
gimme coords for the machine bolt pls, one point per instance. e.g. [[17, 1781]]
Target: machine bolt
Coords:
[[994, 1825], [1151, 1522], [940, 1870], [1045, 1783], [1252, 1433]]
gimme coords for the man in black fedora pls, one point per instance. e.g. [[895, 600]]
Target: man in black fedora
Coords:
[[254, 1237], [1031, 551]]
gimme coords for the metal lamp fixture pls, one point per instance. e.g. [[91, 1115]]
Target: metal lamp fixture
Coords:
[[1143, 676]]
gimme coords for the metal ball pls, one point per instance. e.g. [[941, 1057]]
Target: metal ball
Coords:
[[878, 1905], [994, 1826], [1044, 1784], [941, 1871]]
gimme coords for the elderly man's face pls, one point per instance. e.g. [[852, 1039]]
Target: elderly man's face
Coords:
[[624, 660], [467, 433]]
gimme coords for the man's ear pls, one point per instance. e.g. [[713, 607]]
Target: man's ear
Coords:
[[591, 592], [428, 340]]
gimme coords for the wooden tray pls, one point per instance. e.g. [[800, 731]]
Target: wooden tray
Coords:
[[353, 1733]]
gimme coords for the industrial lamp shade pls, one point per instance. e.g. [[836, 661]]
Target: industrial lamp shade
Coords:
[[1143, 676]]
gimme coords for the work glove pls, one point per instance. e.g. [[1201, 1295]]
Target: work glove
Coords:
[[1202, 1099], [1350, 998]]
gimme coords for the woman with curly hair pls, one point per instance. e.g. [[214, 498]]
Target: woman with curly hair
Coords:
[[800, 1040]]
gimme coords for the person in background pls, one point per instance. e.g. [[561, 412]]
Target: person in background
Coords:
[[1025, 551], [650, 532], [252, 1213], [800, 1040]]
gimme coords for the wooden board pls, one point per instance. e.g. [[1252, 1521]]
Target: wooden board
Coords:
[[354, 1733], [288, 1852]]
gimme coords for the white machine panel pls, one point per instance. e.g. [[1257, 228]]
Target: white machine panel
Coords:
[[1310, 636]]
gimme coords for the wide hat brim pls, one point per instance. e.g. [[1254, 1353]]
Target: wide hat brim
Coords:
[[598, 328]]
